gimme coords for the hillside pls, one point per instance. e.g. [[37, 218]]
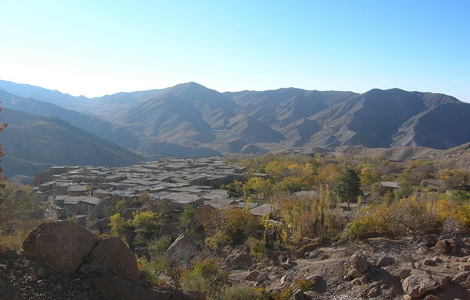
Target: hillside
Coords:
[[33, 142], [194, 119]]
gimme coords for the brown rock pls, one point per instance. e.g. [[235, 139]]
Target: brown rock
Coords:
[[61, 245], [401, 273], [112, 254], [252, 276], [463, 279], [431, 297], [359, 262], [416, 286], [444, 246], [238, 259], [464, 268], [386, 261], [429, 262], [115, 288]]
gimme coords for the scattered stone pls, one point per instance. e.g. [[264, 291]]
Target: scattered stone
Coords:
[[429, 262], [401, 273], [437, 259], [423, 250], [313, 254], [252, 276], [431, 297], [359, 262], [464, 268], [386, 261], [373, 292]]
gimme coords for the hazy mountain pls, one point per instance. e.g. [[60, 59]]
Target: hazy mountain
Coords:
[[198, 119], [32, 142], [121, 135]]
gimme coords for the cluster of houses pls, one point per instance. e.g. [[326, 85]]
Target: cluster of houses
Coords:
[[86, 191]]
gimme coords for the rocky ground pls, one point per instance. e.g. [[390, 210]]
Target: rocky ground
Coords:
[[62, 260], [375, 268]]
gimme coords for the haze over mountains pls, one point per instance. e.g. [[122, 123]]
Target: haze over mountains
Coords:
[[192, 120]]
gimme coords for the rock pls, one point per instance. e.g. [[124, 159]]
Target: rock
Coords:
[[101, 224], [8, 291], [313, 254], [429, 262], [431, 297], [61, 245], [262, 277], [416, 286], [298, 295], [437, 259], [443, 246], [386, 261], [359, 262], [464, 268], [238, 259], [353, 273], [129, 236], [171, 229], [401, 273], [430, 240], [183, 243], [356, 282], [252, 276], [423, 250], [463, 279], [115, 288], [112, 254], [373, 292], [196, 295]]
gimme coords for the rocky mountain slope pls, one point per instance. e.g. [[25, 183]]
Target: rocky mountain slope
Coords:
[[33, 143], [190, 115]]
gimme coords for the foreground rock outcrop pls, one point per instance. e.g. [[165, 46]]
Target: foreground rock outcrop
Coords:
[[106, 267]]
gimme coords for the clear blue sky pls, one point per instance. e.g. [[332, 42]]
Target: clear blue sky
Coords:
[[102, 47]]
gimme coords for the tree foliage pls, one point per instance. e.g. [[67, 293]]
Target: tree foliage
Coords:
[[348, 188]]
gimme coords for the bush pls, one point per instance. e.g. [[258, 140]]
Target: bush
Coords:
[[240, 292], [205, 276]]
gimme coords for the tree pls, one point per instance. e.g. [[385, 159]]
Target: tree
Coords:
[[348, 187]]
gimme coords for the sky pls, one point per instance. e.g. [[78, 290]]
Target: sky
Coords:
[[94, 48]]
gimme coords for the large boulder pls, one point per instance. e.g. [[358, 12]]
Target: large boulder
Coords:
[[61, 245], [420, 282], [111, 254]]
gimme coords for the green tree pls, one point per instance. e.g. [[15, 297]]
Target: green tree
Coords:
[[348, 187], [188, 219]]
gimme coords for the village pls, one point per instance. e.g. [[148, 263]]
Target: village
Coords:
[[83, 192]]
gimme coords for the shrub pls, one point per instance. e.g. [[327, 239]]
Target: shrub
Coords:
[[205, 276], [240, 292]]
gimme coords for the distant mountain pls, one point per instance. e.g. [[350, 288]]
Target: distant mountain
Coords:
[[121, 135], [33, 142], [192, 119]]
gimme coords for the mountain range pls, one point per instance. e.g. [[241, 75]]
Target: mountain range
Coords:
[[192, 120]]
